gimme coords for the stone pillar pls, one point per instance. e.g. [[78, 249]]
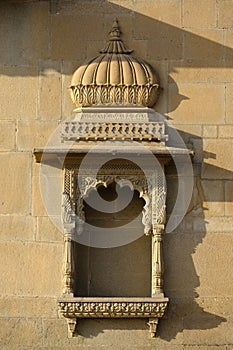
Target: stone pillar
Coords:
[[68, 219], [68, 264], [157, 261]]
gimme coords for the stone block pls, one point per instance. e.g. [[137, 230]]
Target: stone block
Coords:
[[168, 44], [205, 45], [49, 105], [15, 183], [228, 48], [225, 131], [210, 131], [207, 330], [28, 307], [7, 135], [199, 14], [38, 208], [46, 192], [31, 269], [18, 99], [21, 332], [212, 261], [229, 103], [168, 12], [181, 277], [47, 231], [34, 134], [188, 131], [196, 71], [14, 227], [27, 28], [229, 198], [225, 14], [218, 163], [205, 347], [213, 197], [221, 306], [187, 103], [212, 224], [67, 35]]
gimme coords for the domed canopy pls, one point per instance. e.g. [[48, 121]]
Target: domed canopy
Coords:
[[115, 78]]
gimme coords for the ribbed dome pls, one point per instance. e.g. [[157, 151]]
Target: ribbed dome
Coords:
[[115, 77]]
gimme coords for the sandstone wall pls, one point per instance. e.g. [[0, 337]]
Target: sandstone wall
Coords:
[[190, 43]]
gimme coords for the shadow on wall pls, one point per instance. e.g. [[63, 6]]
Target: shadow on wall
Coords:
[[37, 32], [163, 42]]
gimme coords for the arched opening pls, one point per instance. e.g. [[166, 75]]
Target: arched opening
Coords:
[[114, 272]]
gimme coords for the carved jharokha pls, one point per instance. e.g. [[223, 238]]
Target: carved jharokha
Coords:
[[113, 92], [153, 191]]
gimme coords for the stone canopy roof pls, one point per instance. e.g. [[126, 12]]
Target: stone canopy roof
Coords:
[[115, 77]]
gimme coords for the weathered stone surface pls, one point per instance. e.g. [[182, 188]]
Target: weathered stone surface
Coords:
[[38, 208], [204, 347], [229, 198], [229, 47], [213, 224], [229, 103], [167, 45], [63, 27], [28, 307], [199, 14], [220, 306], [31, 269], [18, 99], [14, 227], [212, 261], [218, 162], [47, 231], [164, 11], [213, 198], [20, 331], [210, 131], [113, 347], [28, 35], [193, 71], [198, 254], [212, 51], [34, 134], [221, 334], [15, 183], [7, 135], [109, 333], [225, 14], [225, 131], [187, 103], [49, 99]]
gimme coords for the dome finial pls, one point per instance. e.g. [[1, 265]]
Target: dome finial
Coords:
[[115, 44], [115, 32]]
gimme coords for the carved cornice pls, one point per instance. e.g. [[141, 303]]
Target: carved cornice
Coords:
[[115, 131], [112, 307]]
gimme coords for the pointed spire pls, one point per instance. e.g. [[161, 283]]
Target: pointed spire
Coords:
[[115, 44], [115, 32]]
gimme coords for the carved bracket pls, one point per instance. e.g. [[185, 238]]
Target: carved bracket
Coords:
[[73, 309]]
